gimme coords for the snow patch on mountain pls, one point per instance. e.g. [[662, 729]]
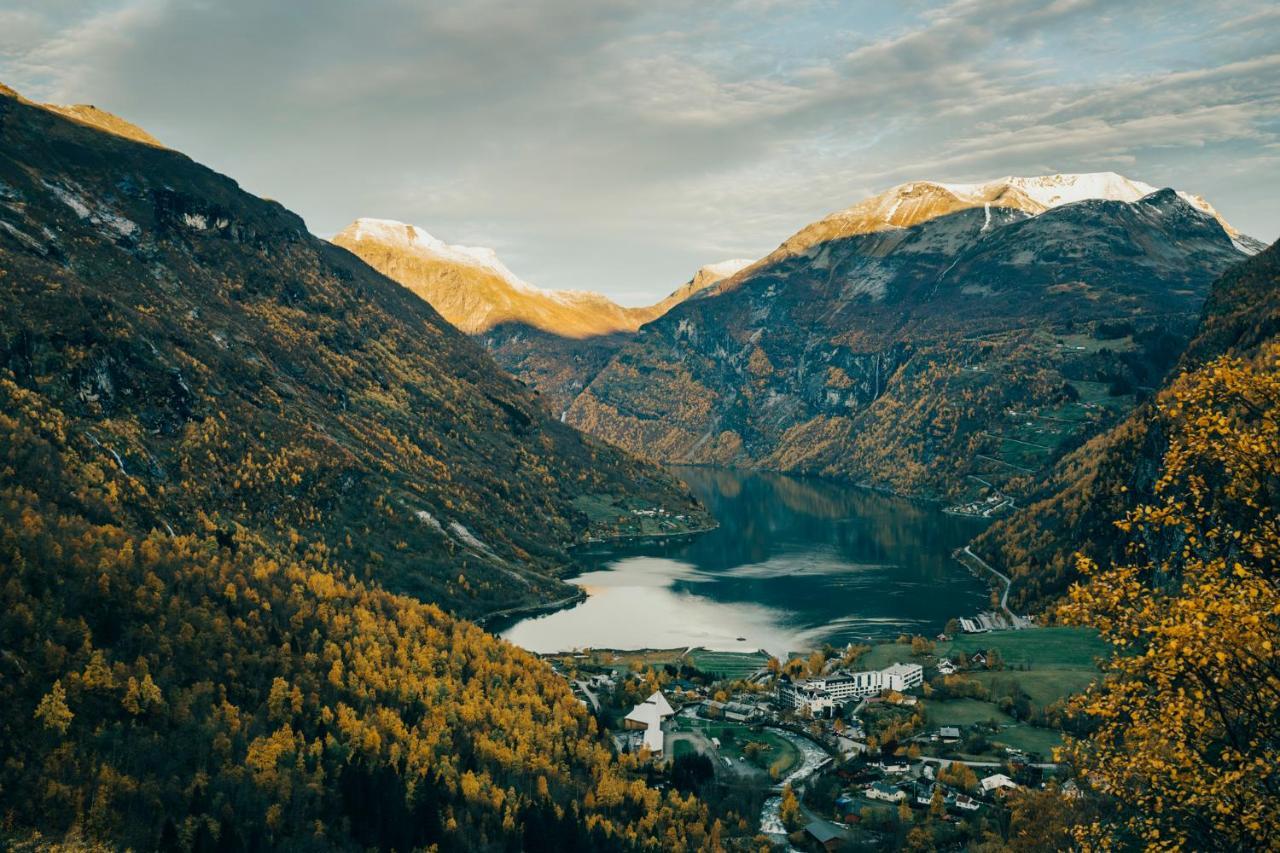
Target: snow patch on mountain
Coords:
[[415, 240], [418, 241], [908, 204], [723, 269]]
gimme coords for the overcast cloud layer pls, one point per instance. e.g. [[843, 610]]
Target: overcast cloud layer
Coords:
[[617, 146]]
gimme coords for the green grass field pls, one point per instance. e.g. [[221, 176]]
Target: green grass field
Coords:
[[967, 712], [1059, 661], [731, 747], [729, 665], [1030, 739], [963, 712], [1044, 686], [1039, 648], [885, 654]]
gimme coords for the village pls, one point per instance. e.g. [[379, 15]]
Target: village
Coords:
[[845, 746]]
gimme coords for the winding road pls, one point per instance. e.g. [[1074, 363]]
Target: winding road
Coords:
[[1004, 598]]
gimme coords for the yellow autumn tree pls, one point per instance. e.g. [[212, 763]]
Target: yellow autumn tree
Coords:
[[1186, 735], [789, 811]]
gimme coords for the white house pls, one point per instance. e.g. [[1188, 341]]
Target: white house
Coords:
[[946, 667], [823, 692], [997, 781], [895, 764], [883, 791], [902, 676], [649, 716]]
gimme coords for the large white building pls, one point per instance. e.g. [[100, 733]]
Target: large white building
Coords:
[[649, 716], [902, 676], [824, 692]]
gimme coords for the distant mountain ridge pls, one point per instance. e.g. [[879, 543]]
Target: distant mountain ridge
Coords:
[[476, 292], [916, 202], [885, 342], [555, 340]]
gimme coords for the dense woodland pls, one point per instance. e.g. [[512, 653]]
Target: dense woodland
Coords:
[[221, 442], [205, 692]]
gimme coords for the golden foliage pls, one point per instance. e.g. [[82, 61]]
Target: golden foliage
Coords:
[[252, 689], [1187, 718]]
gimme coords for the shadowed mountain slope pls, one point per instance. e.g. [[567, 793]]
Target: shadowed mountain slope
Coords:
[[245, 373]]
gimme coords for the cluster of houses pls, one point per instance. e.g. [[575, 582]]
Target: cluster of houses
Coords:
[[657, 512], [921, 792], [825, 692], [983, 508]]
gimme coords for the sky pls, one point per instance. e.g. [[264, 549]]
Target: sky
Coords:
[[618, 145]]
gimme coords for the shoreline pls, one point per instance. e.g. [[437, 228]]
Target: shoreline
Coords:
[[641, 538], [525, 611], [508, 616]]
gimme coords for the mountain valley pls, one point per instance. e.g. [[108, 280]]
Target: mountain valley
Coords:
[[948, 524]]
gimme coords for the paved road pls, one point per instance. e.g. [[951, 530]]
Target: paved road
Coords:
[[1004, 598], [946, 762]]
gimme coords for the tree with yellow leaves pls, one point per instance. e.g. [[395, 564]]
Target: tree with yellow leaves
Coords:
[[1186, 734], [789, 811]]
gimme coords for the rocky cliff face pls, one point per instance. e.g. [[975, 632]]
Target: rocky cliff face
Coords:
[[229, 370], [928, 340]]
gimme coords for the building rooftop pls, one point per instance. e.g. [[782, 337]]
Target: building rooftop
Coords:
[[822, 831]]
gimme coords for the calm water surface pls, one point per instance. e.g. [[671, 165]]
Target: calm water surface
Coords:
[[795, 562]]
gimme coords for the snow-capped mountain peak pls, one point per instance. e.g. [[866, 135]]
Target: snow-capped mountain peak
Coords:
[[416, 240], [912, 203], [711, 273]]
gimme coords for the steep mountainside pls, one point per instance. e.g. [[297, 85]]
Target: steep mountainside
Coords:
[[554, 340], [935, 340], [244, 373], [1116, 471], [218, 436]]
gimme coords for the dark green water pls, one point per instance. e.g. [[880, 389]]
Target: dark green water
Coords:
[[795, 562]]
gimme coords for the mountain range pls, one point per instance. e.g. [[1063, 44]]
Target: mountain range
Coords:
[[254, 487], [940, 340], [1093, 486], [553, 339], [894, 354]]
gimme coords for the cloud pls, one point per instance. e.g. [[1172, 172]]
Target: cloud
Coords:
[[619, 145]]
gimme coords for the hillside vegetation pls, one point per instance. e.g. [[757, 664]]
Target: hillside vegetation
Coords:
[[933, 341], [227, 450], [252, 375], [1102, 481]]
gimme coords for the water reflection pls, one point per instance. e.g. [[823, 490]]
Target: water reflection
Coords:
[[794, 563]]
